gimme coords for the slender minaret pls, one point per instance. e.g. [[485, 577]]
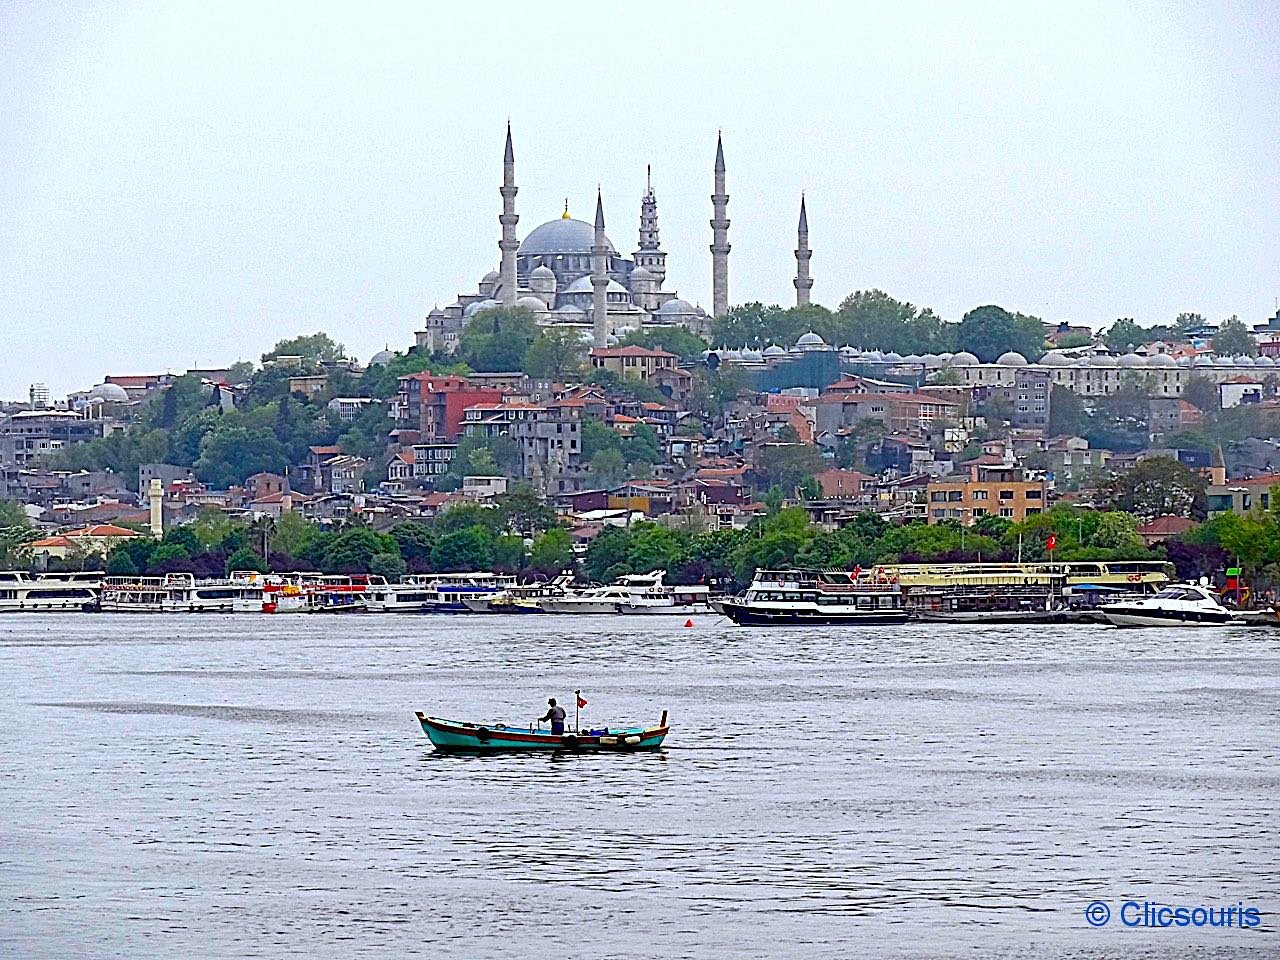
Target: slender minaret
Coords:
[[599, 280], [719, 239], [649, 254], [508, 244], [802, 281]]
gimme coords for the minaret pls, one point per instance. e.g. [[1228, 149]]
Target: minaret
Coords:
[[802, 281], [719, 239], [599, 280], [508, 244], [649, 255]]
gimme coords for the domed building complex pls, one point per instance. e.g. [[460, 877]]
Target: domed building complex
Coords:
[[569, 273]]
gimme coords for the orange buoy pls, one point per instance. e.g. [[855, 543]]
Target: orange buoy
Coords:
[[688, 623]]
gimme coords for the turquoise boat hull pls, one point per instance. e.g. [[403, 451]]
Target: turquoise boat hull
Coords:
[[456, 735]]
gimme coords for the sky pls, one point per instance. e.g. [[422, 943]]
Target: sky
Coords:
[[183, 184]]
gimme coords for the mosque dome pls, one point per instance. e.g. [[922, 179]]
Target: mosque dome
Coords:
[[912, 358], [1052, 359], [1011, 358], [810, 341], [542, 272], [491, 277], [875, 356], [932, 360], [893, 357], [1132, 360], [773, 350], [752, 356], [962, 359], [611, 340], [1161, 360], [1243, 361], [1103, 360], [641, 273], [531, 303], [479, 305], [381, 358], [675, 307], [570, 312], [583, 285], [1264, 361], [561, 236], [1184, 361], [108, 393]]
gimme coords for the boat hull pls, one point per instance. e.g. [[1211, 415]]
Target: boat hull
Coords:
[[456, 736], [757, 616], [1138, 617]]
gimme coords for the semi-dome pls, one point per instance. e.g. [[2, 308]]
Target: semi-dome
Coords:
[[1132, 360], [381, 358], [1161, 360], [583, 285], [1011, 358], [962, 359], [773, 350], [810, 339], [641, 273], [561, 236], [108, 393], [675, 307], [1052, 359]]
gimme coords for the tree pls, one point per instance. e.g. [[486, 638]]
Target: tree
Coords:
[[352, 550], [233, 452], [1067, 416], [873, 320], [678, 340], [787, 465], [608, 467], [1234, 339], [1202, 393], [508, 553], [524, 512], [1157, 487], [246, 558], [169, 558], [1073, 340], [314, 348], [388, 565], [463, 550], [120, 564], [556, 355], [1124, 336], [552, 552], [415, 539], [989, 331], [496, 340]]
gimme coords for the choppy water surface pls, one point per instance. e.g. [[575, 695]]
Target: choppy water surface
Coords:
[[248, 786]]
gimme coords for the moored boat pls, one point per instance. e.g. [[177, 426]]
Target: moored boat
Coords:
[[815, 597], [459, 736], [1179, 605], [48, 593], [644, 593]]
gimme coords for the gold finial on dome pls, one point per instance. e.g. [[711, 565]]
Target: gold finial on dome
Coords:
[[565, 215]]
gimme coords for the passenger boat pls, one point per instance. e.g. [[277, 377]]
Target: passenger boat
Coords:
[[1179, 605], [815, 597], [634, 593], [173, 593], [522, 598], [22, 591], [302, 592], [458, 736], [438, 592]]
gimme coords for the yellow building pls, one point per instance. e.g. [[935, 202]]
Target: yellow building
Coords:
[[638, 363], [999, 491]]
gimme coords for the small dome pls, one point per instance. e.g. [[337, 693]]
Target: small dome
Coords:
[[1132, 360], [1161, 360], [962, 359], [675, 307], [932, 361], [1264, 361], [570, 310], [479, 305], [640, 273], [1103, 360], [730, 354], [1052, 359], [752, 356], [1243, 361], [381, 358], [611, 340], [1011, 358], [912, 358], [493, 276], [810, 339], [531, 303], [893, 357], [847, 351], [773, 350], [1184, 361], [875, 356], [542, 272], [108, 393]]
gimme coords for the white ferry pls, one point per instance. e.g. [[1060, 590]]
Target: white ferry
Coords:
[[437, 592], [816, 597], [302, 592], [173, 593], [22, 591], [633, 593]]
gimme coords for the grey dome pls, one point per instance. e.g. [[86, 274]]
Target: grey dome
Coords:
[[810, 339], [1161, 360], [1052, 359], [531, 303], [381, 358], [1103, 360], [912, 358], [479, 305], [109, 393], [1244, 361], [583, 285], [962, 359], [1011, 358], [752, 356], [893, 357], [773, 350], [1184, 361], [571, 309], [542, 272], [561, 236], [675, 307], [491, 277], [1132, 360], [640, 273], [1264, 361]]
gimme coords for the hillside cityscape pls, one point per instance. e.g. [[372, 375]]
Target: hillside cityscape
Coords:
[[570, 413]]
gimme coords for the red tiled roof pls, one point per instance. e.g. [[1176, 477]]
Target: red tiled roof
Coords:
[[58, 541], [322, 451], [1167, 526], [102, 530], [609, 352]]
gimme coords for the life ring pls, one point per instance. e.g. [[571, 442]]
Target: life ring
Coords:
[[1135, 577], [483, 734]]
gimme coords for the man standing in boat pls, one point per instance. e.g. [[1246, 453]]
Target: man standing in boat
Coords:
[[556, 715]]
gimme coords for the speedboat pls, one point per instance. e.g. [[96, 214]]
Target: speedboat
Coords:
[[1178, 605]]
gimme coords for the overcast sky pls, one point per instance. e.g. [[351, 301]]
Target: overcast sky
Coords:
[[186, 183]]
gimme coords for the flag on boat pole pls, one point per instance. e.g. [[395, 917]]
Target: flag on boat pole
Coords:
[[578, 704]]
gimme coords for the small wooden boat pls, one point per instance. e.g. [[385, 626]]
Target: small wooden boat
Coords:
[[463, 737]]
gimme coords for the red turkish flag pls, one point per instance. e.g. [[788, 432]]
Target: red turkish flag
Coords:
[[581, 702], [1051, 542]]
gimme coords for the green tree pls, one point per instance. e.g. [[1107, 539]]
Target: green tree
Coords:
[[508, 553], [608, 467], [1073, 340], [1201, 392], [1157, 487], [496, 340], [678, 340], [390, 566], [246, 558], [523, 511], [352, 550], [787, 465], [416, 540], [552, 552], [597, 436], [233, 452], [1067, 415], [1124, 336], [120, 564], [556, 355], [313, 348], [169, 558], [1234, 339], [463, 550], [989, 331]]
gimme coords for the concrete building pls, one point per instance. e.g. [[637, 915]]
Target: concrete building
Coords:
[[27, 435], [637, 363], [434, 406], [986, 491]]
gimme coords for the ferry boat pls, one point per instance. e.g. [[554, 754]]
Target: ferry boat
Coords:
[[633, 593], [817, 597], [302, 592], [22, 591], [437, 592], [173, 593], [1179, 605]]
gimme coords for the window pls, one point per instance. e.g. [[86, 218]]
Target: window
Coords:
[[979, 495], [1033, 494], [938, 496], [979, 511], [1006, 494], [1006, 511]]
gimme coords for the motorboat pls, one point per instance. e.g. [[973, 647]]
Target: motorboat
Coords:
[[643, 593], [437, 592], [816, 597], [521, 598], [1177, 605]]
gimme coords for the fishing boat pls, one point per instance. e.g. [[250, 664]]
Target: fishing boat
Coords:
[[1179, 605], [633, 593], [816, 597], [462, 737]]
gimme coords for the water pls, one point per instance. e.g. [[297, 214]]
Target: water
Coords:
[[214, 786]]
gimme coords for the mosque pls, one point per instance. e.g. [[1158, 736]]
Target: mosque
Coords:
[[571, 276]]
